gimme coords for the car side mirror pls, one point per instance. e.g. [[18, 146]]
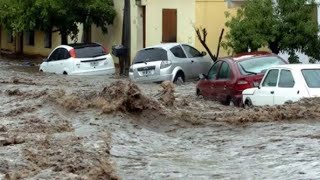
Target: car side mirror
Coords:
[[203, 53]]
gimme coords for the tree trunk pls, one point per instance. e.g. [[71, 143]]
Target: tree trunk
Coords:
[[274, 47], [86, 33], [219, 43], [20, 43], [64, 37]]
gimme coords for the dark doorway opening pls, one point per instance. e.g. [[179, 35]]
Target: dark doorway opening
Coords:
[[144, 25], [169, 25]]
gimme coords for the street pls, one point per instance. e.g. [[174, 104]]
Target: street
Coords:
[[90, 127]]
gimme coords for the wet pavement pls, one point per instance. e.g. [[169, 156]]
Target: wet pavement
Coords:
[[55, 126]]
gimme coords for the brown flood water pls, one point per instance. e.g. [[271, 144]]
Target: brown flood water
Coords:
[[77, 127]]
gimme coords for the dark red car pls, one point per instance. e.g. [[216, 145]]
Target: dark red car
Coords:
[[229, 76]]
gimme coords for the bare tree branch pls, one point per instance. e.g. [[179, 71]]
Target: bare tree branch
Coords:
[[202, 38]]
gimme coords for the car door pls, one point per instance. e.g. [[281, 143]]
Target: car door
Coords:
[[181, 60], [61, 61], [265, 94], [196, 60], [65, 64], [51, 61], [287, 89], [208, 86], [223, 84], [57, 63]]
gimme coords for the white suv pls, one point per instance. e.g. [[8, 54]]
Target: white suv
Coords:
[[79, 59], [170, 61]]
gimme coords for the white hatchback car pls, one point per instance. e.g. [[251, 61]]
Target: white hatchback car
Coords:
[[169, 61], [79, 59], [285, 83]]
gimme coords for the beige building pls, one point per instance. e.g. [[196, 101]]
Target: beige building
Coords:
[[152, 22]]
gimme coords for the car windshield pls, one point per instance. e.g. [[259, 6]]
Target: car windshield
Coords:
[[150, 55], [258, 65], [312, 77], [89, 51]]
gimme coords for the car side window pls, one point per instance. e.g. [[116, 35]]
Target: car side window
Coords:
[[271, 78], [225, 71], [212, 75], [64, 54], [286, 79], [191, 52], [178, 52], [54, 55]]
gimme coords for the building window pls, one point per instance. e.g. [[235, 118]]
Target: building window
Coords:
[[9, 37], [48, 40], [29, 38]]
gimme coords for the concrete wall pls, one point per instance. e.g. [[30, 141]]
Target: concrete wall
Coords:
[[185, 32], [210, 14], [185, 20], [114, 34], [39, 44], [4, 41]]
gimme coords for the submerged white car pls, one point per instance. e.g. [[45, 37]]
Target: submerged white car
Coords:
[[169, 61], [79, 59], [285, 83]]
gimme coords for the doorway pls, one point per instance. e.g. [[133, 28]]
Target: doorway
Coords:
[[169, 25]]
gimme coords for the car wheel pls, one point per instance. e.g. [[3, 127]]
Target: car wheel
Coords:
[[248, 104], [228, 102], [198, 92], [179, 79]]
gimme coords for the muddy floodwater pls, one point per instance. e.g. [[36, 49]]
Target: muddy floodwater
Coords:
[[99, 127]]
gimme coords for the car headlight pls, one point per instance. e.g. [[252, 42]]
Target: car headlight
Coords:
[[165, 64]]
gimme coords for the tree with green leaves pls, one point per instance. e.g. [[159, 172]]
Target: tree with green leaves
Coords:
[[62, 16], [280, 25]]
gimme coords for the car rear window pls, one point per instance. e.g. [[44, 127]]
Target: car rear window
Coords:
[[89, 51], [258, 64], [312, 77], [150, 55]]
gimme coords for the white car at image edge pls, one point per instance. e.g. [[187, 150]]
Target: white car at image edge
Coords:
[[285, 83], [79, 59]]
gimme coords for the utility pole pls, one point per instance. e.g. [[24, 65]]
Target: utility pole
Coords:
[[126, 37]]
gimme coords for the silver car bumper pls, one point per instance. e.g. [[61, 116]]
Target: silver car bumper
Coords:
[[150, 79], [104, 71]]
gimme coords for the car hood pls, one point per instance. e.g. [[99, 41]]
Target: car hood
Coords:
[[249, 91]]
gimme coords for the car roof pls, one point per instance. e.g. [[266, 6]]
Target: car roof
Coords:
[[165, 46], [248, 55], [78, 45], [82, 45], [297, 66]]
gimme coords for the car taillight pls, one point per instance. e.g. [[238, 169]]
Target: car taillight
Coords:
[[165, 64], [242, 85], [105, 50], [72, 53]]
